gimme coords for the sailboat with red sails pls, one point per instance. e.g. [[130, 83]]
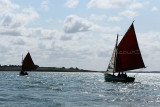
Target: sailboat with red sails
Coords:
[[126, 56], [27, 65]]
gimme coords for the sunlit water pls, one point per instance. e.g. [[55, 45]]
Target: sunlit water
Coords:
[[52, 89]]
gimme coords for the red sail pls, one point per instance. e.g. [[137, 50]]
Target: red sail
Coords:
[[28, 63], [128, 53]]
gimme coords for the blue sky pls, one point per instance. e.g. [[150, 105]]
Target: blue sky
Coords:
[[76, 33]]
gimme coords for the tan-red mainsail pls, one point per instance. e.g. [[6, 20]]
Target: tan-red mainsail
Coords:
[[128, 52], [28, 64]]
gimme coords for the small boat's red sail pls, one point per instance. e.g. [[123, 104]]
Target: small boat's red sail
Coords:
[[128, 52], [28, 64]]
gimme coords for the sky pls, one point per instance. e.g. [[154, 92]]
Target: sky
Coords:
[[76, 33]]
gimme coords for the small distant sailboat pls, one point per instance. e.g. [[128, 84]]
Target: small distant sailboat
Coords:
[[27, 65], [126, 56]]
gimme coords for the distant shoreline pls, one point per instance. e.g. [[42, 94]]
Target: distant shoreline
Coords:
[[17, 68], [60, 71]]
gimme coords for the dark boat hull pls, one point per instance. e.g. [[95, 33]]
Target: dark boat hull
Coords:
[[22, 73], [111, 78]]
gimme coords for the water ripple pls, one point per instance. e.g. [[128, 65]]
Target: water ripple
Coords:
[[77, 89]]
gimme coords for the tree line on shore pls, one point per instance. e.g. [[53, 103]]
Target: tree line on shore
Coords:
[[58, 69]]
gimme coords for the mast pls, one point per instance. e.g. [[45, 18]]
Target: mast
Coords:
[[115, 56], [22, 61]]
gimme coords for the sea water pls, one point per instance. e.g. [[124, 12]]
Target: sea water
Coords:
[[51, 89]]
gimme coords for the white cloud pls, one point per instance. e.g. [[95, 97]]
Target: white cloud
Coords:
[[19, 19], [72, 3], [112, 18], [19, 41], [7, 6], [90, 48], [97, 17], [41, 33], [13, 24], [106, 4], [149, 46], [44, 5], [154, 9], [73, 24], [66, 38], [4, 49], [129, 14], [135, 5], [10, 32]]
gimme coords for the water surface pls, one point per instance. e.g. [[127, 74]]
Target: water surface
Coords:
[[61, 89]]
